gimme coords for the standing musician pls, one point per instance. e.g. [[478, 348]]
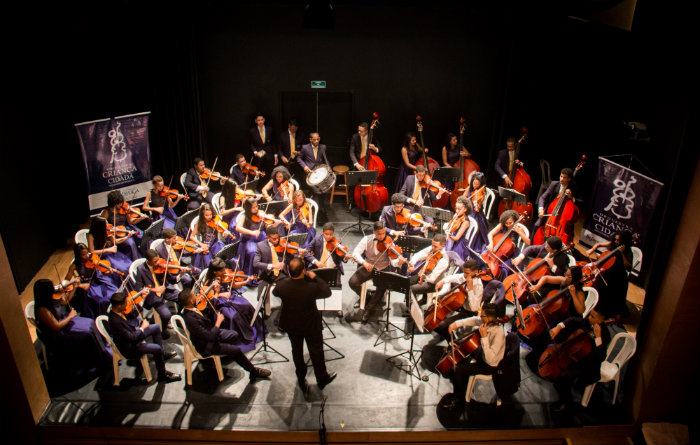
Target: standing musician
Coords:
[[289, 147], [551, 251], [390, 214], [301, 320], [161, 204], [416, 189], [373, 258], [411, 153], [278, 188], [130, 340], [319, 256], [300, 219], [209, 338], [554, 190], [117, 216], [162, 288], [456, 228], [476, 193], [506, 162], [433, 264], [311, 156], [359, 145], [264, 152], [488, 356], [451, 151], [197, 188], [508, 221]]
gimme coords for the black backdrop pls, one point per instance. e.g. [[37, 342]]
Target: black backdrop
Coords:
[[205, 68]]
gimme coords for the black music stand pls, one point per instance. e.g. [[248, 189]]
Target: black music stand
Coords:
[[184, 220], [391, 282], [360, 179], [229, 251], [413, 244], [439, 215], [330, 276], [512, 194], [447, 174], [273, 207], [265, 347], [151, 233], [250, 185], [412, 355], [299, 238]]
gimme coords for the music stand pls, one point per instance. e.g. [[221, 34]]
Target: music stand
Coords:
[[363, 178], [183, 222], [447, 174], [439, 215], [299, 238], [152, 232], [273, 207], [265, 347], [229, 251], [512, 194], [250, 185], [330, 276], [413, 244], [412, 355], [391, 282]]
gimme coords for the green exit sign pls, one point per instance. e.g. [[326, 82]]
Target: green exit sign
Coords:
[[318, 84]]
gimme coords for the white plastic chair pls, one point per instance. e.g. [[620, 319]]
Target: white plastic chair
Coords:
[[314, 210], [182, 181], [615, 360], [29, 313], [521, 243], [296, 184], [132, 268], [194, 222], [591, 300], [470, 386], [100, 322], [636, 261], [488, 203], [81, 236], [471, 231], [215, 203], [156, 243], [190, 353]]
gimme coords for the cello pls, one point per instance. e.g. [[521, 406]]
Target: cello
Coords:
[[503, 248], [430, 165], [466, 167], [536, 269], [560, 212], [521, 184], [371, 198]]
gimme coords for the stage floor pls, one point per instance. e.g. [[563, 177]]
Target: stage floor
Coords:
[[371, 392]]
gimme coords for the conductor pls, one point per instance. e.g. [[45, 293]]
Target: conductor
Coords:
[[302, 321]]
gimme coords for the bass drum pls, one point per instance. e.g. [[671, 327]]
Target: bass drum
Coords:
[[321, 179]]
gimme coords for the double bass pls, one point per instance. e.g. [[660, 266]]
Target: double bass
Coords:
[[466, 167], [521, 184], [430, 164], [372, 198]]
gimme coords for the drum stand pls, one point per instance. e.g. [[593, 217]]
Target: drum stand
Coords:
[[358, 179], [266, 348]]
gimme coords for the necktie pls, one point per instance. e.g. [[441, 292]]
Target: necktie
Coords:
[[324, 256], [315, 153], [416, 191], [363, 150], [262, 134], [204, 192], [275, 260], [292, 146], [155, 280], [511, 155]]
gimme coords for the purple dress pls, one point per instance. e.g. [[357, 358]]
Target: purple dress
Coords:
[[460, 246], [238, 312], [405, 171], [248, 246], [102, 287], [299, 227], [168, 213], [130, 246], [211, 238]]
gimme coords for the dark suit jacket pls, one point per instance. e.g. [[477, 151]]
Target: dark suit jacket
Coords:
[[315, 250], [502, 162], [388, 217], [203, 333], [263, 257], [552, 192], [407, 191], [125, 335], [306, 156], [191, 183], [145, 278], [590, 364], [561, 259], [356, 147], [257, 144], [284, 148], [237, 175], [299, 313]]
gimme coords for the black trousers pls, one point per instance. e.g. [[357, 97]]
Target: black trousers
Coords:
[[226, 347], [355, 282], [315, 344], [464, 371]]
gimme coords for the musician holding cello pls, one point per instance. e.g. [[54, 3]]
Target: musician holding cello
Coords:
[[493, 346], [551, 251], [508, 228], [558, 190], [411, 154], [359, 146], [506, 161]]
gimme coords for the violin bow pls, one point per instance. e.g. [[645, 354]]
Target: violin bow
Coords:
[[128, 295], [212, 171]]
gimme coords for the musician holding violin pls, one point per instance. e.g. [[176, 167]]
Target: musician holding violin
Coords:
[[209, 234], [242, 172], [73, 344], [221, 284], [94, 287], [492, 339], [298, 218], [161, 200], [197, 188], [456, 227], [103, 241], [131, 340], [229, 204], [417, 189], [121, 215], [278, 188], [326, 251], [251, 226], [427, 267], [396, 218], [168, 250], [476, 193]]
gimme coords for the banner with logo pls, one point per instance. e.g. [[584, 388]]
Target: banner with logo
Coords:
[[622, 199], [117, 156]]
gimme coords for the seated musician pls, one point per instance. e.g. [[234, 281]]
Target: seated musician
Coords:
[[251, 227], [370, 257], [229, 206], [130, 340], [95, 287], [457, 227], [583, 372], [227, 300], [508, 221], [160, 206], [115, 215], [572, 280], [237, 171], [162, 287], [476, 193], [613, 282], [298, 213], [427, 267], [270, 262], [105, 245], [278, 188], [207, 237], [389, 216], [167, 252], [317, 253], [311, 156], [416, 190], [197, 188], [488, 356], [551, 251], [553, 191], [209, 338], [72, 342]]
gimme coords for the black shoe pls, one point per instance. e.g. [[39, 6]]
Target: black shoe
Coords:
[[165, 335], [304, 386], [450, 401], [169, 377], [365, 316], [328, 379], [558, 407], [259, 373], [169, 355], [356, 305]]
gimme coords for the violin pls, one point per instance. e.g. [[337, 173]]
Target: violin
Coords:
[[101, 264], [134, 212], [371, 198], [119, 231], [205, 295], [134, 298], [536, 269], [305, 214], [429, 264], [250, 169], [290, 247], [403, 216], [387, 245], [172, 193], [430, 166], [220, 225], [466, 166], [209, 174], [237, 277], [286, 188], [334, 246], [64, 286], [189, 246], [245, 194], [172, 267], [521, 183], [455, 223]]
